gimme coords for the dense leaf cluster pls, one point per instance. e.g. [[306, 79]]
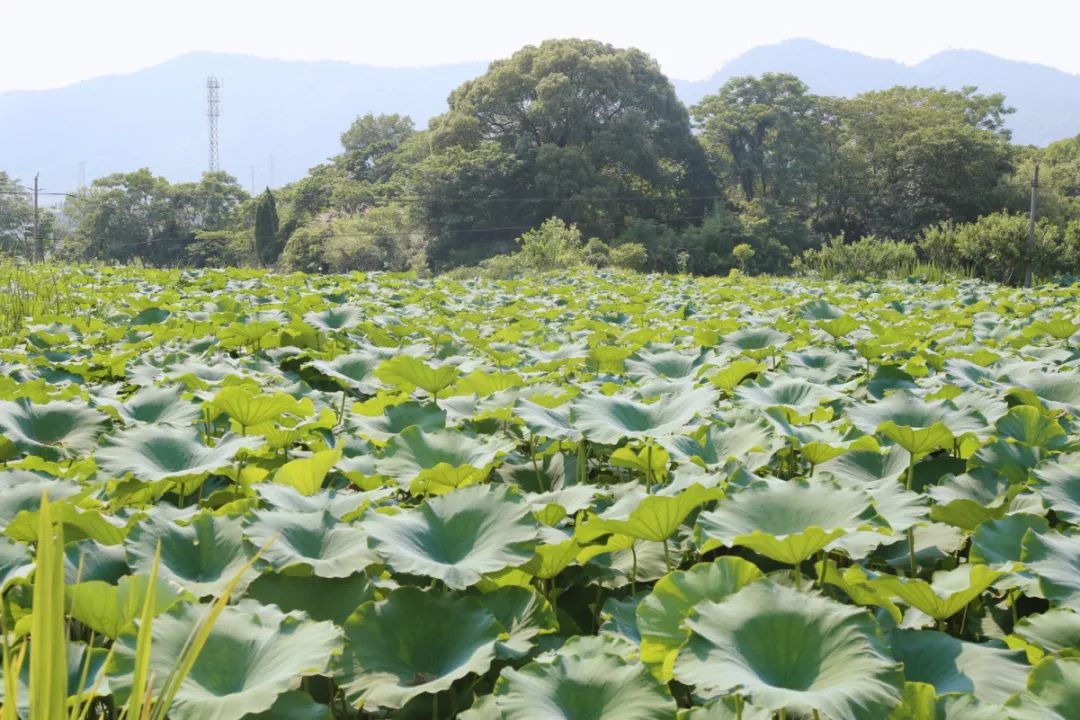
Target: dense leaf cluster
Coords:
[[586, 496]]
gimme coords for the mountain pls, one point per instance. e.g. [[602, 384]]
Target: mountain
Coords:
[[288, 115], [293, 112], [1047, 100]]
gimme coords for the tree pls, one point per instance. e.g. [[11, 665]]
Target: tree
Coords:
[[917, 156], [369, 144], [125, 215], [16, 217], [575, 129], [770, 138], [267, 242]]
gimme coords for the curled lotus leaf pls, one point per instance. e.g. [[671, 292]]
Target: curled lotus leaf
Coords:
[[152, 454], [572, 687], [201, 557], [661, 614], [159, 406], [314, 541], [413, 643], [61, 429], [787, 522], [1055, 559], [989, 671], [783, 649], [607, 420], [457, 538], [254, 654]]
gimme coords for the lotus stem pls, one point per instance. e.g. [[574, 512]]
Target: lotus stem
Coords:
[[633, 570], [667, 555], [913, 566]]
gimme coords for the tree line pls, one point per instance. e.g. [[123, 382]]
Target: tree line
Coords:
[[595, 136]]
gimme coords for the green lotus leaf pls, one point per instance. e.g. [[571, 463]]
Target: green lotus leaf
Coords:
[[784, 649], [524, 614], [248, 408], [396, 418], [458, 537], [201, 557], [313, 541], [788, 522], [306, 475], [656, 517], [795, 394], [16, 563], [948, 593], [1055, 559], [294, 705], [661, 614], [407, 372], [343, 317], [575, 688], [332, 599], [1059, 485], [999, 542], [355, 371], [52, 430], [754, 339], [21, 491], [607, 420], [413, 643], [729, 377], [1055, 631], [991, 673], [342, 505], [671, 364], [728, 708], [253, 655], [1053, 692], [440, 460], [914, 424], [857, 585], [553, 423], [921, 702], [1027, 425], [160, 406], [970, 499], [93, 683], [1055, 390], [153, 454], [1012, 460], [821, 366], [717, 445], [110, 609]]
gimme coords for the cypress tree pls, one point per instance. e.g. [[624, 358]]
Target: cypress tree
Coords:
[[267, 243]]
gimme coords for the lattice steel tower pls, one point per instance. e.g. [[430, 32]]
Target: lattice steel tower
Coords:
[[213, 112]]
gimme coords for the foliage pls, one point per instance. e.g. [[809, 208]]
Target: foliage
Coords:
[[237, 494], [869, 257], [266, 243]]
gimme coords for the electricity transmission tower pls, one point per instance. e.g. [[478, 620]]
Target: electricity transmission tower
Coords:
[[213, 112]]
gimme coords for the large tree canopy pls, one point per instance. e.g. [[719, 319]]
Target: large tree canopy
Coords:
[[571, 128]]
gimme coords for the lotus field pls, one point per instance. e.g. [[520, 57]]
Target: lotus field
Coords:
[[232, 495]]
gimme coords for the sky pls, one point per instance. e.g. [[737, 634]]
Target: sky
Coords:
[[44, 45]]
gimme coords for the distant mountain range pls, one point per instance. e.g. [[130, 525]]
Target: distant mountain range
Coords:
[[281, 117]]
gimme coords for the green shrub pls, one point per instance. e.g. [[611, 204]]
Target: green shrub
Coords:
[[219, 249], [552, 246], [629, 256], [995, 247], [869, 257]]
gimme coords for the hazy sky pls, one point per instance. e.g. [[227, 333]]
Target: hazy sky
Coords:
[[63, 41]]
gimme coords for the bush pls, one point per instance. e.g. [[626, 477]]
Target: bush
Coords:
[[869, 257], [552, 246], [219, 249], [629, 256], [995, 247], [382, 238]]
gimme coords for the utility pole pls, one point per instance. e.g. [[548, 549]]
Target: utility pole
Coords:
[[1029, 274], [39, 251]]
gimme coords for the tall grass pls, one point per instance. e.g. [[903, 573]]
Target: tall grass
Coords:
[[47, 645]]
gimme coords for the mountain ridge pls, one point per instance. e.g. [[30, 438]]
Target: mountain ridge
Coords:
[[295, 111]]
